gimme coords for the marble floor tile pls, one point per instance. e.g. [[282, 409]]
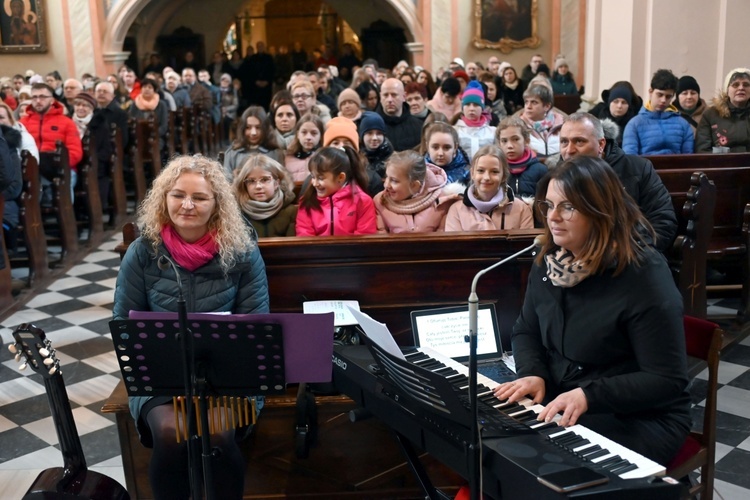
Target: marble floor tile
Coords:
[[735, 401], [70, 335], [66, 283], [24, 316], [19, 389], [727, 372], [93, 390], [15, 483], [86, 268], [86, 315], [45, 299]]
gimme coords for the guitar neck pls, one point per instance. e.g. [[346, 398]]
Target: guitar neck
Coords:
[[65, 425]]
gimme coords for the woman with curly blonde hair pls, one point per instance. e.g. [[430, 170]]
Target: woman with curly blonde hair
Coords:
[[191, 217]]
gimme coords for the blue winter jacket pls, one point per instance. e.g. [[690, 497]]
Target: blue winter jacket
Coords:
[[658, 133]]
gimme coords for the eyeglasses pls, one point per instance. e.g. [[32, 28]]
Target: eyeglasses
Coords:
[[263, 181], [195, 200], [565, 209], [298, 97], [40, 97]]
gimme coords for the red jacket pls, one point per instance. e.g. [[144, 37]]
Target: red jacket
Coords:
[[51, 127], [348, 214]]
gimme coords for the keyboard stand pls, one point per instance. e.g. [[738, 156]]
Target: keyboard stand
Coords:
[[418, 469]]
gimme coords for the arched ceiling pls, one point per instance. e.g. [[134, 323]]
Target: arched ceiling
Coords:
[[146, 19]]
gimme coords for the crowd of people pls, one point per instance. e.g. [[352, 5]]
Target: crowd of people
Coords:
[[376, 150]]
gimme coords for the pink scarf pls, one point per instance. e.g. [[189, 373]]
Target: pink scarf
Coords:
[[191, 256], [518, 166], [483, 119]]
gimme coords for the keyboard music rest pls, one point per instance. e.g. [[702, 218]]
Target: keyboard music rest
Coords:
[[510, 464]]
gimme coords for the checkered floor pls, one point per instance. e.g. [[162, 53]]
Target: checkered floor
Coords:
[[75, 312]]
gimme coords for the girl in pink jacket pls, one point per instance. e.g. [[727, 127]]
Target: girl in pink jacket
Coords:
[[417, 195], [488, 202], [336, 202]]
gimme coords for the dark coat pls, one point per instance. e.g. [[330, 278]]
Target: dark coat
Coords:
[[524, 184], [620, 339], [281, 224], [724, 125], [641, 181], [563, 84], [405, 131]]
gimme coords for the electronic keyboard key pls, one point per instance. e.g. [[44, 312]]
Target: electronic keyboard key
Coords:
[[597, 454], [582, 452], [625, 469], [613, 467]]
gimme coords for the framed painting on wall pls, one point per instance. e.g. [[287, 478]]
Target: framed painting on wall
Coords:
[[506, 24], [22, 26]]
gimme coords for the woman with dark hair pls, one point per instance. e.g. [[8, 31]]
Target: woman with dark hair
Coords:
[[147, 104], [512, 90], [254, 136], [285, 116], [600, 337], [425, 78], [122, 98], [369, 95]]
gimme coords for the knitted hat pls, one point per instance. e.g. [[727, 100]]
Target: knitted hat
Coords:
[[731, 76], [349, 95], [620, 92], [473, 93], [341, 127], [503, 66], [459, 61], [84, 96], [687, 83], [371, 121], [543, 68], [462, 75], [560, 61]]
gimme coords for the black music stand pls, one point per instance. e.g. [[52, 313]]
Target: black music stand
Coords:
[[233, 355]]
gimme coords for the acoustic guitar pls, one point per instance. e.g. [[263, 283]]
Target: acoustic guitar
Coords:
[[72, 481]]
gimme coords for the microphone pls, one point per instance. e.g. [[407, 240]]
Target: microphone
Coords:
[[475, 454], [164, 263]]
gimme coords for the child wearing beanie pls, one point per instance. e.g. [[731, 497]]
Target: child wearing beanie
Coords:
[[375, 145], [474, 130], [341, 132], [619, 104]]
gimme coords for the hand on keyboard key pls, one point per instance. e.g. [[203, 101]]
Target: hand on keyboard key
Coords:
[[571, 405], [519, 389]]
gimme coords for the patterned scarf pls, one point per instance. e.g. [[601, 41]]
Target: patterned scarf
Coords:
[[563, 271], [191, 256]]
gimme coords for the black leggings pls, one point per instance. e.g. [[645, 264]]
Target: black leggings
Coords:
[[168, 471]]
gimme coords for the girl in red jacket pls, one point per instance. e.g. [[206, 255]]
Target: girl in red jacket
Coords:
[[336, 200]]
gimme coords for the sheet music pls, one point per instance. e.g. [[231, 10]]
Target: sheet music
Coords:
[[340, 309], [378, 333]]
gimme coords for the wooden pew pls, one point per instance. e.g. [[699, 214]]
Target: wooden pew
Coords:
[[117, 172], [689, 251], [730, 240], [135, 171], [30, 221], [171, 140], [87, 190], [182, 125], [62, 205], [567, 103]]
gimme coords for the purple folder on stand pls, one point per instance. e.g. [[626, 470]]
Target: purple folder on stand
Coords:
[[308, 339]]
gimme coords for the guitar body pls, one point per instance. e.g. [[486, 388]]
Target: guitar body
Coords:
[[87, 484], [73, 481]]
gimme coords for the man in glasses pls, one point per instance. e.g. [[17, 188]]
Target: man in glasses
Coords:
[[47, 124], [583, 134]]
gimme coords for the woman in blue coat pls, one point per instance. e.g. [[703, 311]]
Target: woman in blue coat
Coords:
[[190, 215]]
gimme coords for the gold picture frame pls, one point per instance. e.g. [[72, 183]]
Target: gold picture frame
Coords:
[[22, 26], [506, 24]]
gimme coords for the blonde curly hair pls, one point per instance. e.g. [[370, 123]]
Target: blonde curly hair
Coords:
[[232, 235]]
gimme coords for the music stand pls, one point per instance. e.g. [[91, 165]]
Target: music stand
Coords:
[[234, 355]]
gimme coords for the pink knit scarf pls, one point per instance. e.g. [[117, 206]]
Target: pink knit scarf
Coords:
[[191, 256]]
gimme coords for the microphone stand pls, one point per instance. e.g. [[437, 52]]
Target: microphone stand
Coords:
[[189, 380], [475, 445]]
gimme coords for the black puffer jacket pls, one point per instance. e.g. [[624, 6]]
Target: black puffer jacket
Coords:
[[641, 181]]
